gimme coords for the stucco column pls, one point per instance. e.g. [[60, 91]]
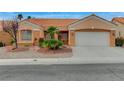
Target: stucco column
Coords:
[[112, 38], [56, 36], [71, 38], [42, 34]]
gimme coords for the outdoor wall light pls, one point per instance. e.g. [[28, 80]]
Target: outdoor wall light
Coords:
[[113, 34], [92, 27]]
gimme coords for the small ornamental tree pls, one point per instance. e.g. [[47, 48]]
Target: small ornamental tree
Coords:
[[52, 31], [11, 27], [51, 43]]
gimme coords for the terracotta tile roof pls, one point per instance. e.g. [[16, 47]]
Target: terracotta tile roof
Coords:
[[52, 22], [118, 19]]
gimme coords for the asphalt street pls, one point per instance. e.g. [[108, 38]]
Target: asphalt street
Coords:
[[89, 72]]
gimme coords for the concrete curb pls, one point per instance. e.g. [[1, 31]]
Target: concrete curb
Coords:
[[51, 61]]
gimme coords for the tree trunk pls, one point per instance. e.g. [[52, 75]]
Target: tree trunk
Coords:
[[52, 36], [16, 45]]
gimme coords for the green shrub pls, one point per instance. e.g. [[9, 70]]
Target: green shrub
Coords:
[[55, 44], [45, 44], [52, 44], [1, 44], [60, 44], [40, 42], [119, 41]]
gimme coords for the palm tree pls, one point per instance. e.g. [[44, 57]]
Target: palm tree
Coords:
[[52, 31], [20, 16], [29, 17]]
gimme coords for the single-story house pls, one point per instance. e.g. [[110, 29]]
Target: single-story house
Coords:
[[89, 31], [33, 29], [120, 26], [4, 37]]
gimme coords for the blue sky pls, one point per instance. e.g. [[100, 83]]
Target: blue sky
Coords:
[[106, 15]]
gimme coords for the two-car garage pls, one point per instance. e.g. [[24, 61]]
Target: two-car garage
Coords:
[[92, 31], [92, 38]]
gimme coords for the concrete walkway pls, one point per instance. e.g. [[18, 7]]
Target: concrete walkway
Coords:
[[81, 55]]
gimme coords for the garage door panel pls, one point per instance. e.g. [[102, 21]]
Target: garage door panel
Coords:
[[92, 38]]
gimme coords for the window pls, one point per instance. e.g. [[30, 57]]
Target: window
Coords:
[[26, 35], [63, 36]]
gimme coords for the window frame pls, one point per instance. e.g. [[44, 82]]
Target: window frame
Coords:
[[22, 39]]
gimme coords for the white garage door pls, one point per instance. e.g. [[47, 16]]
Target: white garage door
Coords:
[[92, 38]]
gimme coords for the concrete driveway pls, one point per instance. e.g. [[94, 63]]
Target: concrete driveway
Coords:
[[81, 55], [98, 52]]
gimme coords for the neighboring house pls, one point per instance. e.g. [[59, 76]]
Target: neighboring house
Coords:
[[4, 37], [89, 31], [120, 28]]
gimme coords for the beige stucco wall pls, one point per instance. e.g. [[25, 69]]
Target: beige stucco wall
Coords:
[[5, 38], [28, 25], [92, 23], [37, 35], [71, 38], [112, 38]]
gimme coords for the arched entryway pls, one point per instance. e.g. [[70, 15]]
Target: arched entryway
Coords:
[[63, 35]]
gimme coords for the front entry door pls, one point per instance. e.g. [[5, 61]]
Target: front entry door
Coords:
[[64, 37]]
